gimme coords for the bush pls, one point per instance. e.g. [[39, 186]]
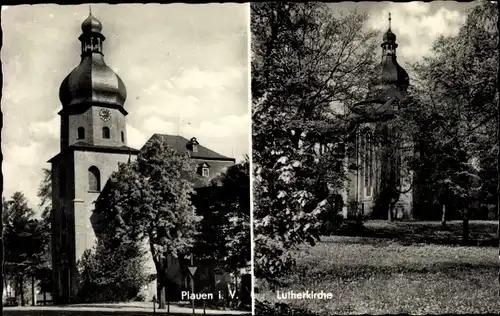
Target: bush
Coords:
[[111, 273]]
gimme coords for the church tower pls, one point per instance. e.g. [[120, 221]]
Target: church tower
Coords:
[[379, 186], [92, 142]]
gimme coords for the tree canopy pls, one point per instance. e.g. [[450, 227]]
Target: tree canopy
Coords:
[[225, 229], [149, 200], [306, 63]]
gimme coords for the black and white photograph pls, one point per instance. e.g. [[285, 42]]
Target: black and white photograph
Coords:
[[374, 157], [126, 168]]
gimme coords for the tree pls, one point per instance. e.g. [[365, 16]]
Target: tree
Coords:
[[23, 240], [498, 132], [235, 185], [462, 103], [306, 63], [225, 228], [45, 190], [113, 271], [43, 271], [149, 199]]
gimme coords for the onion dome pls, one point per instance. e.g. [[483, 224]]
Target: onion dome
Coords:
[[91, 24], [389, 36], [391, 73], [92, 81]]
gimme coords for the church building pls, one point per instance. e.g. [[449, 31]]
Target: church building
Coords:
[[93, 140], [379, 186]]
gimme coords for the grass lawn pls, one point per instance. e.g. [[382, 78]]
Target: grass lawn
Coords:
[[391, 274]]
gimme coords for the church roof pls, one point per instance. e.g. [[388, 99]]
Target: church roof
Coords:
[[390, 72], [92, 81], [218, 163], [181, 145], [380, 103]]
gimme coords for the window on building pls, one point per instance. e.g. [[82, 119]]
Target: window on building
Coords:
[[370, 161], [193, 143], [81, 133], [123, 137], [94, 179], [105, 132], [368, 164], [205, 172]]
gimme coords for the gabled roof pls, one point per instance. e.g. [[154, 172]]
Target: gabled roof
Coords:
[[179, 144]]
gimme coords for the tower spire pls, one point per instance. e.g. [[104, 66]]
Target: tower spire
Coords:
[[389, 20], [90, 10]]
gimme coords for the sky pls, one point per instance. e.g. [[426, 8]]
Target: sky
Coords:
[[416, 24], [185, 68]]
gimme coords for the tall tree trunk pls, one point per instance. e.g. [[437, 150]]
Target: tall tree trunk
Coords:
[[443, 216], [465, 227], [33, 290], [21, 289], [498, 132], [44, 298], [161, 291], [160, 265]]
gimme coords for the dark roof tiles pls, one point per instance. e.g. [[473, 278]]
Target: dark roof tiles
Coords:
[[180, 144]]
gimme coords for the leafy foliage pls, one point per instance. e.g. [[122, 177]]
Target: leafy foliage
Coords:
[[305, 62], [149, 199], [457, 91], [225, 229], [112, 272], [44, 269], [23, 239]]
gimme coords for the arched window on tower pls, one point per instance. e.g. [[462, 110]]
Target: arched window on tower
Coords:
[[94, 179], [81, 133], [123, 137], [105, 132]]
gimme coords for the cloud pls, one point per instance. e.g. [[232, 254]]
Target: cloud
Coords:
[[45, 129], [22, 170], [135, 138], [194, 78], [417, 26], [156, 125], [217, 135], [228, 135], [23, 156], [182, 64], [195, 94]]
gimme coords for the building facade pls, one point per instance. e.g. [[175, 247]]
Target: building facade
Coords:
[[93, 140], [380, 185]]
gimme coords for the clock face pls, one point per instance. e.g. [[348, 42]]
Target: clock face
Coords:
[[105, 115]]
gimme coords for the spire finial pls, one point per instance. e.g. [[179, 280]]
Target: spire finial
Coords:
[[90, 9], [389, 20]]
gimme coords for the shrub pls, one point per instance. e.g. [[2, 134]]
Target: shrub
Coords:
[[111, 273]]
